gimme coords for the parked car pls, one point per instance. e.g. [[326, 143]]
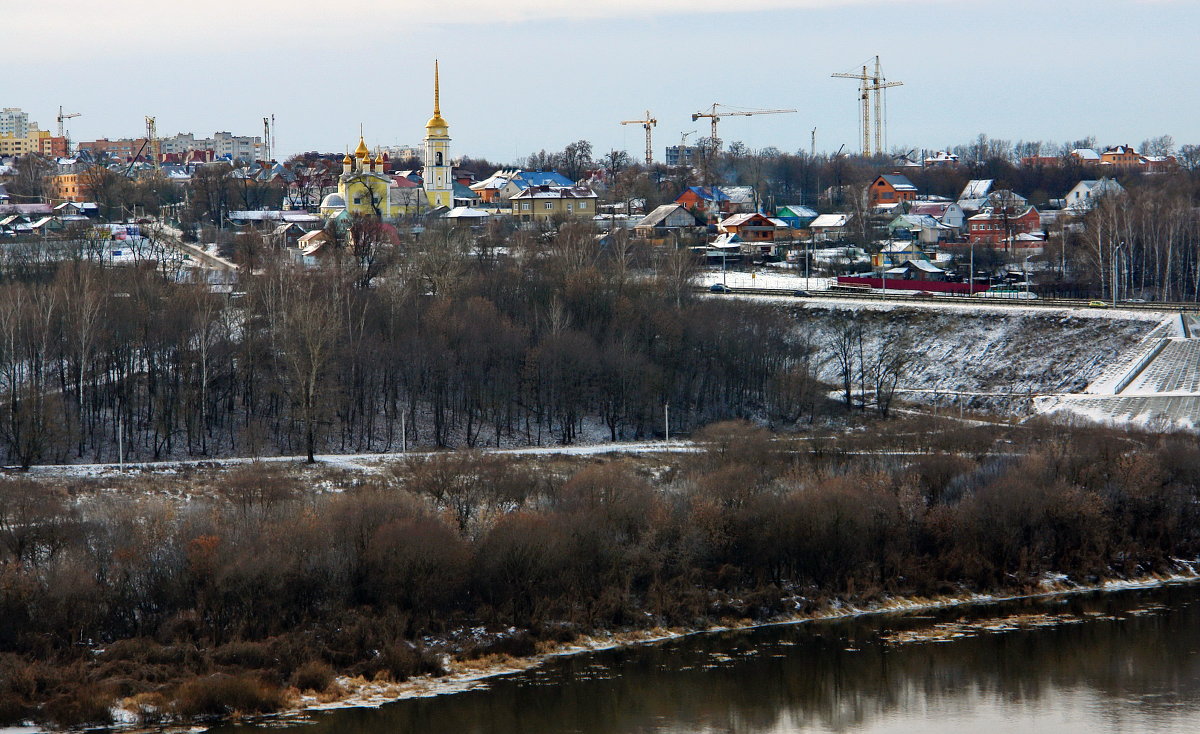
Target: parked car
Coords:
[[1097, 304], [720, 288], [923, 294], [801, 294]]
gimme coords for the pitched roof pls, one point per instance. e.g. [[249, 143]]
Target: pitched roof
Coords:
[[660, 215], [796, 210], [976, 188], [556, 192], [830, 220], [899, 182]]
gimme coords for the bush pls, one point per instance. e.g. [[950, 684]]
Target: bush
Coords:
[[313, 676], [249, 655], [225, 695], [80, 707], [401, 661]]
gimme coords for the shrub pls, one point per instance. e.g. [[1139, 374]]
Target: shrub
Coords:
[[224, 695], [249, 655], [82, 706], [313, 676]]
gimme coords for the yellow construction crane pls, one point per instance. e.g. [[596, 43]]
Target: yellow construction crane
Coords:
[[65, 116], [718, 110], [870, 88], [152, 141], [647, 123]]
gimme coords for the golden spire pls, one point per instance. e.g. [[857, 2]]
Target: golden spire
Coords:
[[436, 120], [361, 151]]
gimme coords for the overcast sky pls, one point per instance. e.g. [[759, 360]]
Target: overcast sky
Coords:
[[522, 75]]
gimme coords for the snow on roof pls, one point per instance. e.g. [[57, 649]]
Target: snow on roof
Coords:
[[738, 194], [976, 188], [898, 182], [830, 220], [1086, 154], [556, 192], [466, 212], [796, 210], [737, 220]]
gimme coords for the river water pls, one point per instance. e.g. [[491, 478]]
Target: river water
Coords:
[[1122, 662]]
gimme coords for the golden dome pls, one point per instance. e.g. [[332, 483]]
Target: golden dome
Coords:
[[361, 151], [347, 160]]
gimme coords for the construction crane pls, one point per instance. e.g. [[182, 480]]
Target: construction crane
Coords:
[[62, 117], [647, 123], [870, 88], [718, 110], [152, 141]]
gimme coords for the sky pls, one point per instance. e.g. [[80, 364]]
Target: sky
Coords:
[[518, 76]]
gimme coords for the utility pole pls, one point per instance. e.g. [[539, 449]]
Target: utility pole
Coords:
[[812, 150]]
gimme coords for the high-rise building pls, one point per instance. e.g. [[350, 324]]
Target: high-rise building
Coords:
[[14, 123], [682, 155]]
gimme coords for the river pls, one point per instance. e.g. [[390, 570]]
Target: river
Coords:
[[1122, 662]]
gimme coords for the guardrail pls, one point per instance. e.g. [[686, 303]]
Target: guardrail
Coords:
[[1039, 302]]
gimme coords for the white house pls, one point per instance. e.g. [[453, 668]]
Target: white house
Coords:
[[1086, 193]]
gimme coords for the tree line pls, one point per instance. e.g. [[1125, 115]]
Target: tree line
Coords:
[[438, 341], [258, 582]]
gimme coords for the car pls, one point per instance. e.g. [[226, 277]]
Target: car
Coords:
[[1135, 300], [801, 294], [720, 288], [1097, 304], [923, 294]]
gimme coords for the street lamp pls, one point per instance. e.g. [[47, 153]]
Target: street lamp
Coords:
[[1025, 275], [1116, 253]]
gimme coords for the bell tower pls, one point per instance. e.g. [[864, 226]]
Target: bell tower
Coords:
[[438, 174]]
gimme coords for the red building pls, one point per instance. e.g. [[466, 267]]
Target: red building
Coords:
[[995, 227]]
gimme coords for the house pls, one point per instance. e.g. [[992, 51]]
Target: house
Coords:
[[1085, 156], [521, 180], [889, 190], [1123, 156], [829, 227], [947, 213], [974, 193], [998, 225], [1085, 194], [540, 203], [664, 220], [795, 215], [941, 158], [718, 199], [895, 253], [287, 234], [918, 228], [752, 227], [921, 270]]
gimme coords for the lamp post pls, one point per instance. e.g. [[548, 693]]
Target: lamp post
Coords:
[[1116, 254], [1025, 274]]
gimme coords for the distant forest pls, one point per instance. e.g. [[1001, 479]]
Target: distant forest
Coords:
[[438, 342]]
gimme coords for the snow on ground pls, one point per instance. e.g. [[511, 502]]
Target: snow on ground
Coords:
[[997, 358]]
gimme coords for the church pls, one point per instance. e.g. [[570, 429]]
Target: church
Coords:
[[365, 188]]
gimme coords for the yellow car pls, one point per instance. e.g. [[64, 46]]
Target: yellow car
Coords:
[[1097, 304]]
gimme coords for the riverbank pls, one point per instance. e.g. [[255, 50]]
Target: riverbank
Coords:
[[468, 675]]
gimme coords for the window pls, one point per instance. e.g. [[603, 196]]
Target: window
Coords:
[[548, 205], [525, 206], [582, 205], [569, 207]]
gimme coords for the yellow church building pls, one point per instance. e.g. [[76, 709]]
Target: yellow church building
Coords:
[[365, 188]]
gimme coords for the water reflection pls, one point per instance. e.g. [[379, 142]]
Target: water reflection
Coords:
[[1127, 664]]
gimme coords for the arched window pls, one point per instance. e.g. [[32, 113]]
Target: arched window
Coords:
[[438, 159]]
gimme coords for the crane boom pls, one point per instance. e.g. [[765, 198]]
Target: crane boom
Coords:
[[870, 86], [648, 122], [715, 114], [65, 116]]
